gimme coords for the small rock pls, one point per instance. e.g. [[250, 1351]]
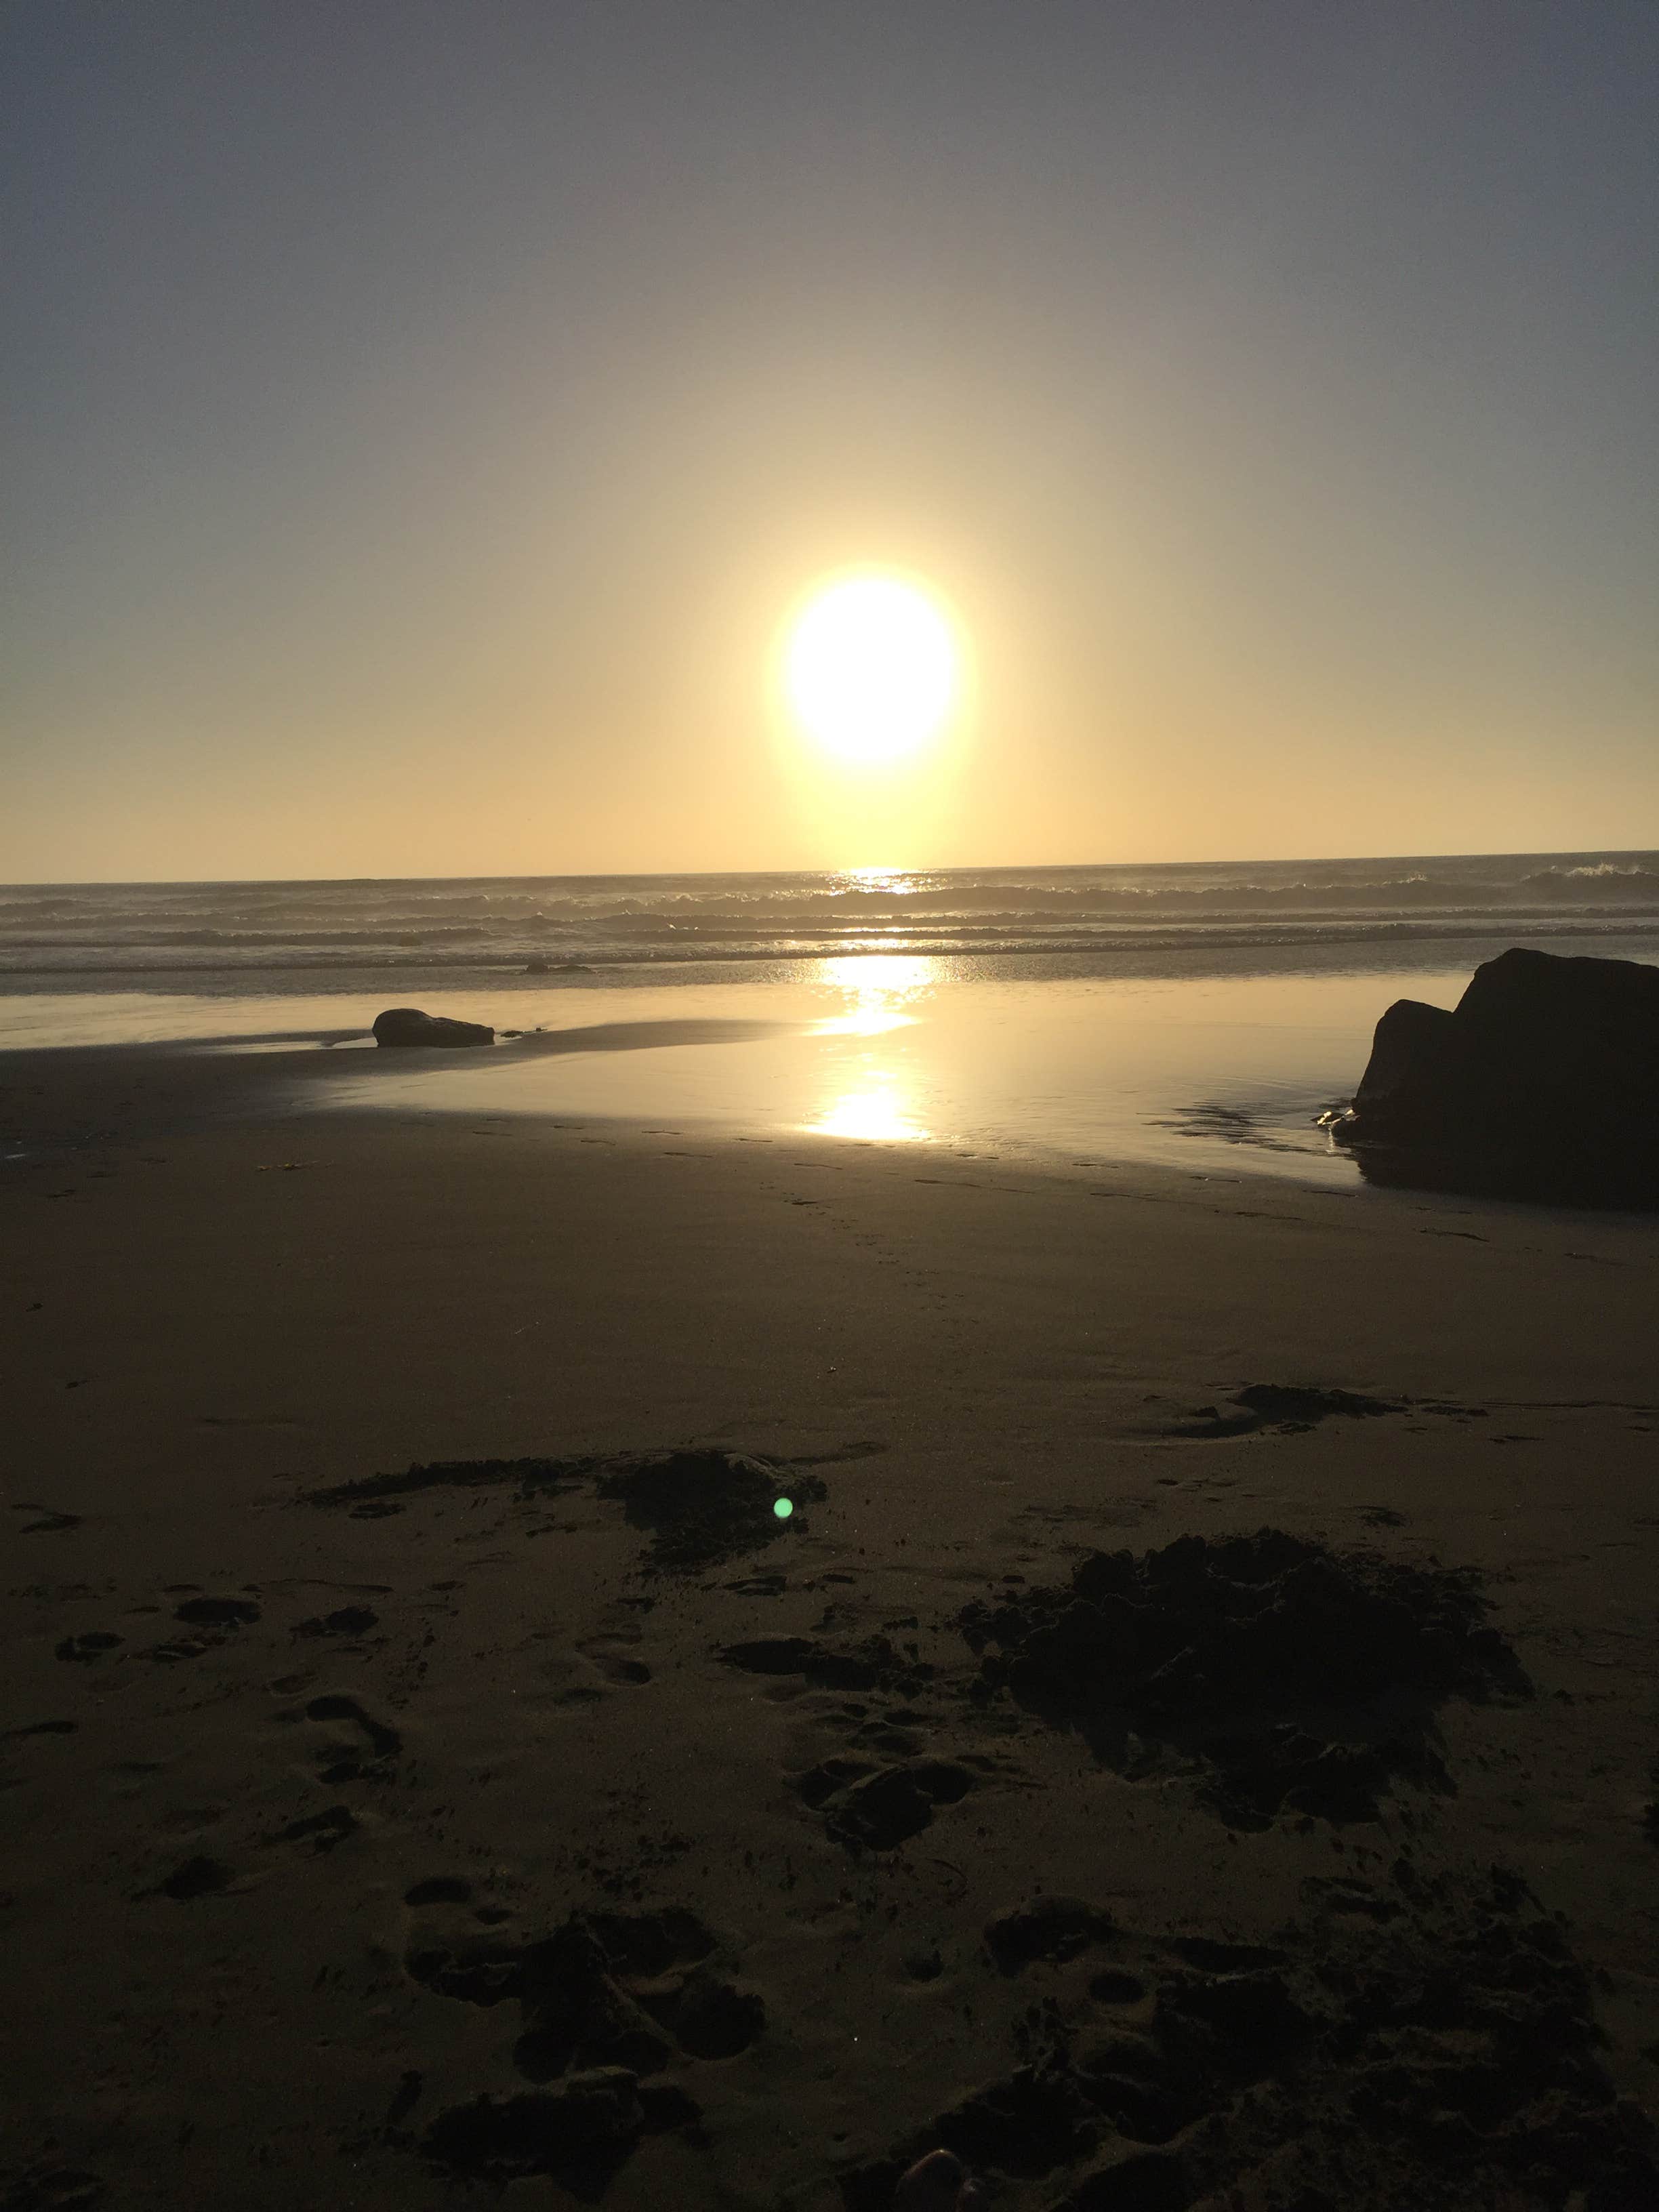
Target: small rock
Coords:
[[408, 1025]]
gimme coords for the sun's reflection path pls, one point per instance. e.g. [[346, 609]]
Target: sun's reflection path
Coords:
[[875, 989], [871, 1102], [878, 1114]]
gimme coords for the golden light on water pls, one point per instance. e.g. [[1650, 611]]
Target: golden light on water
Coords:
[[871, 667], [881, 1114], [879, 986], [863, 1021], [871, 1101]]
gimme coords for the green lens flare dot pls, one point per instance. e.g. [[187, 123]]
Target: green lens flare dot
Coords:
[[783, 1508]]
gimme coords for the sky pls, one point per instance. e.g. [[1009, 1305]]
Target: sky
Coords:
[[419, 419]]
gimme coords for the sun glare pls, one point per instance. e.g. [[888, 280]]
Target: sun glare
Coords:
[[871, 667], [878, 1114]]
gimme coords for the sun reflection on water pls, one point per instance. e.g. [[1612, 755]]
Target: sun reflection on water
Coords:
[[877, 991], [879, 1113]]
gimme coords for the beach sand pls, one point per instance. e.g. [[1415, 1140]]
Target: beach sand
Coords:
[[384, 1843]]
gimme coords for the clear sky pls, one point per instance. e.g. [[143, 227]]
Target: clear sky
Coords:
[[419, 417]]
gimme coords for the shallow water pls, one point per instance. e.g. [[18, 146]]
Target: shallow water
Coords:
[[1222, 1069], [1210, 1074]]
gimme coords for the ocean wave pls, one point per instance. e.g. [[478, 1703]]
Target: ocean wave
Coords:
[[130, 965], [1601, 873], [129, 930]]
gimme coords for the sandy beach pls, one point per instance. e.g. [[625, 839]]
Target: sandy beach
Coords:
[[830, 1108], [422, 1784]]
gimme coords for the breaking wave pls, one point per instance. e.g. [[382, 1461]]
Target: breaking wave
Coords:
[[128, 932]]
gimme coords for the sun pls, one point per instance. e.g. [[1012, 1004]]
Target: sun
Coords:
[[871, 666]]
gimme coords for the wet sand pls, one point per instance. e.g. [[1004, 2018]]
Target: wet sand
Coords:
[[558, 1819]]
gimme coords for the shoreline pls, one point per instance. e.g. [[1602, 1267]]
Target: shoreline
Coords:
[[991, 1371], [57, 1101]]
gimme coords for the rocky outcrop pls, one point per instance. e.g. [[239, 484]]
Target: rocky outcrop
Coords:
[[1543, 1082], [408, 1025]]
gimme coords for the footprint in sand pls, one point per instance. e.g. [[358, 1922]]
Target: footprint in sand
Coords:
[[214, 1621], [363, 1757], [606, 2002], [878, 1808], [321, 1831], [884, 1791], [1152, 2068], [93, 1644], [875, 1664], [349, 1620], [615, 1658], [194, 1878], [613, 1650]]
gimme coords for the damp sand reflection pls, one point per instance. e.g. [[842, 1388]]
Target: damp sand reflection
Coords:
[[1219, 1075], [872, 1088]]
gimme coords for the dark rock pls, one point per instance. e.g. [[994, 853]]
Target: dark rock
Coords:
[[408, 1025], [1543, 1083]]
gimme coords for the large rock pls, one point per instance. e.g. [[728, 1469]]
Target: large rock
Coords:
[[1543, 1082], [408, 1025]]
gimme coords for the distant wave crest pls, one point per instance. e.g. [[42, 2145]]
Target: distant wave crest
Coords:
[[126, 931]]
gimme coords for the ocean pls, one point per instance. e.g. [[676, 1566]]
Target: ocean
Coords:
[[285, 936], [1199, 1015]]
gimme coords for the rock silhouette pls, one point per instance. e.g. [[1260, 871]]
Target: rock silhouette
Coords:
[[1543, 1082], [408, 1025]]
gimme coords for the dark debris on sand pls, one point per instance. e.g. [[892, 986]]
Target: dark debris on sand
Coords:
[[1418, 2042], [529, 1477], [1289, 1407], [1299, 1679], [700, 1507], [1293, 1409], [704, 1507], [50, 2187]]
